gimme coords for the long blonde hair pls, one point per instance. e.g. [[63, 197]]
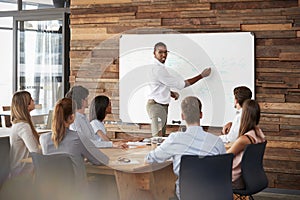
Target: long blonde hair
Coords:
[[64, 108], [19, 110]]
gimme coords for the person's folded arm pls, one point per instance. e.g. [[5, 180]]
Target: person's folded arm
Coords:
[[103, 136]]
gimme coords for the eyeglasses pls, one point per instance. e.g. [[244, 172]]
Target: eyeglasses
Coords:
[[163, 52], [125, 160]]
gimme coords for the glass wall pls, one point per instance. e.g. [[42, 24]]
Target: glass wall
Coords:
[[36, 4], [8, 5], [6, 58], [40, 62], [12, 5], [34, 50]]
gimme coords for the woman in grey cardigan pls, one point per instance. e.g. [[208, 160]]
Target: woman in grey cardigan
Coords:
[[64, 140]]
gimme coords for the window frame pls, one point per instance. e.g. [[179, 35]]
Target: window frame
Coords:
[[40, 15]]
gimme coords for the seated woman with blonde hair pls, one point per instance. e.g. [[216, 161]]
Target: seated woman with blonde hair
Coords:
[[249, 133], [24, 138]]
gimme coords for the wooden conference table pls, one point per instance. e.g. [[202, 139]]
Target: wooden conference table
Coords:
[[4, 132], [135, 179], [36, 114], [33, 113]]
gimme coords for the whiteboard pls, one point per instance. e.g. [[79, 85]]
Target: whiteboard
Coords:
[[230, 55]]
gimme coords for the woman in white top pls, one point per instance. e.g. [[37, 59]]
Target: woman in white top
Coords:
[[23, 138], [100, 107]]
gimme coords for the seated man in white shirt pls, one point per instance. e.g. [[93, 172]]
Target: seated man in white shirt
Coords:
[[231, 130], [82, 125], [194, 141]]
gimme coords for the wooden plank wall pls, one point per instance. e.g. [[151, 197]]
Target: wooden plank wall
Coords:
[[95, 29]]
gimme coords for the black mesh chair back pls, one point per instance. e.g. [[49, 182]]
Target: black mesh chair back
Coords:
[[206, 177], [54, 176], [4, 159], [253, 173]]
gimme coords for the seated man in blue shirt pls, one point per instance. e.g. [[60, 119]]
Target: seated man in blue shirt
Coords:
[[194, 141]]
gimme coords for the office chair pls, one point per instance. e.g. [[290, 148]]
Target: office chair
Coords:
[[253, 173], [206, 177], [4, 157], [54, 176]]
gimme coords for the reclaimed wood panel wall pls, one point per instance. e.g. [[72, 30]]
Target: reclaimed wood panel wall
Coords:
[[97, 24]]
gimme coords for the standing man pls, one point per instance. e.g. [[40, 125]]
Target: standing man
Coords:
[[231, 130], [160, 89], [194, 141]]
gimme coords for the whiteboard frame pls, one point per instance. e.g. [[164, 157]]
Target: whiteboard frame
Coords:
[[195, 52]]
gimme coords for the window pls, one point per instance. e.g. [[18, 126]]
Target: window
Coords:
[[6, 57], [12, 5], [34, 50], [39, 60], [8, 5], [36, 4]]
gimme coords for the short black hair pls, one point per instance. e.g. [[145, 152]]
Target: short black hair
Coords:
[[159, 44], [77, 93], [241, 94]]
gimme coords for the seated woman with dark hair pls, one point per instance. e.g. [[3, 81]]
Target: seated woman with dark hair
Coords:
[[249, 133], [100, 107]]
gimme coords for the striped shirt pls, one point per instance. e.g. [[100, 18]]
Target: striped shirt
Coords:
[[194, 141]]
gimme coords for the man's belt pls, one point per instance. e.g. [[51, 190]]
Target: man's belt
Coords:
[[152, 101]]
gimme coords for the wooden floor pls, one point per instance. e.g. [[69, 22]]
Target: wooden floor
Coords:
[[277, 194], [103, 187]]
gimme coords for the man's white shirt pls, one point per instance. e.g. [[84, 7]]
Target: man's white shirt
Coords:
[[161, 82], [234, 130]]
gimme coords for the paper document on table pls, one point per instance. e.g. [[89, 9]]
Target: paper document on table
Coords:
[[116, 162], [137, 143]]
